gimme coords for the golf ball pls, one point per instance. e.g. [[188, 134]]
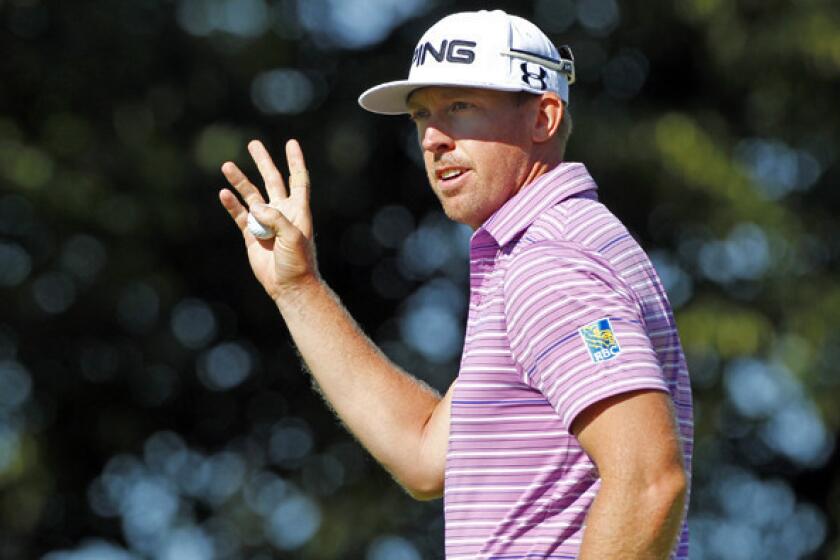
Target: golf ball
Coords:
[[259, 230]]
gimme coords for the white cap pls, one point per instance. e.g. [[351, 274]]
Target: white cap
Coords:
[[489, 50]]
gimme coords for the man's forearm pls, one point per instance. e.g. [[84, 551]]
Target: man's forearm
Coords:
[[632, 522], [384, 407]]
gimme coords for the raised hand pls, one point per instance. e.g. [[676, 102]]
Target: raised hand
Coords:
[[282, 262]]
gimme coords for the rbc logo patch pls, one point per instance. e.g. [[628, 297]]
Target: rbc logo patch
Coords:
[[600, 340]]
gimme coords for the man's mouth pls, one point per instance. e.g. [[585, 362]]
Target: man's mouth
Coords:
[[450, 173]]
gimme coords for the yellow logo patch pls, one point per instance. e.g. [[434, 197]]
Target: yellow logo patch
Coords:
[[600, 341]]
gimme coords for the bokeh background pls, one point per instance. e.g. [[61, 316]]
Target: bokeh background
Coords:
[[151, 405]]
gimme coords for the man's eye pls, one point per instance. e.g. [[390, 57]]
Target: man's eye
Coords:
[[418, 115], [459, 106]]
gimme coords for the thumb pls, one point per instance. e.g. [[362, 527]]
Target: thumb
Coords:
[[271, 218]]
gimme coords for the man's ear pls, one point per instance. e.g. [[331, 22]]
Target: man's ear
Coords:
[[548, 117]]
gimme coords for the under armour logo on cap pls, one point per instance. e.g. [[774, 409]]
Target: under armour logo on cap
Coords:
[[534, 79]]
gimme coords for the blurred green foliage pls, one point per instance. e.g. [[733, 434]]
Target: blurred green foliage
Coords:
[[139, 359]]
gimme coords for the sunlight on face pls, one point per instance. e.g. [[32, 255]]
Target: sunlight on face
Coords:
[[476, 147]]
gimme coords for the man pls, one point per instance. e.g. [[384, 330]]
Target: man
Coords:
[[567, 433]]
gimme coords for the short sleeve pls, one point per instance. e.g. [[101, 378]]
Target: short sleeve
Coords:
[[575, 328]]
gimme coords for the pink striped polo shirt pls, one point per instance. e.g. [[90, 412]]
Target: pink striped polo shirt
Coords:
[[565, 310]]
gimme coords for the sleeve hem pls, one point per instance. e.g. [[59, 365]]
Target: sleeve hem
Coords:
[[572, 413]]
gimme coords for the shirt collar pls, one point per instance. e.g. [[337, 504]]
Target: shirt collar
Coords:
[[520, 211]]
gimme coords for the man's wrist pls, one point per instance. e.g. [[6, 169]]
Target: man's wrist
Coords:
[[290, 295]]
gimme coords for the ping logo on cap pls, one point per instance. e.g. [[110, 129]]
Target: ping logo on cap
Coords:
[[456, 50], [600, 340]]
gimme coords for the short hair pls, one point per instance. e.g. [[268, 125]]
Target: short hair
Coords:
[[565, 129]]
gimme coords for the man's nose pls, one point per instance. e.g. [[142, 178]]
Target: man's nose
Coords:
[[436, 140]]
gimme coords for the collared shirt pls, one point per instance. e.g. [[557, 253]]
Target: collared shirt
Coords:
[[565, 310]]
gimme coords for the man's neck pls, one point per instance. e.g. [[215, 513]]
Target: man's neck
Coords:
[[540, 167]]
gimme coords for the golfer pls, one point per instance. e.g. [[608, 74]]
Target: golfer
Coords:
[[568, 431]]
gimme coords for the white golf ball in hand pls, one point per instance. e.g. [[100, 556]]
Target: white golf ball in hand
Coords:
[[259, 230]]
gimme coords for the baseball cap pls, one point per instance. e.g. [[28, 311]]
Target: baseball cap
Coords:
[[484, 49]]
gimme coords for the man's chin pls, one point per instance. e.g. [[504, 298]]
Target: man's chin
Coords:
[[461, 215]]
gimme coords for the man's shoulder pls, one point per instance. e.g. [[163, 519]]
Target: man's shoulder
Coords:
[[572, 220], [577, 231]]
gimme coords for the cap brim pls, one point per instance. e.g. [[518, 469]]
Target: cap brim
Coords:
[[391, 98]]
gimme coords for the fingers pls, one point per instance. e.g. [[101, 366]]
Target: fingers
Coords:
[[238, 212], [240, 182], [298, 175], [298, 179], [272, 177]]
